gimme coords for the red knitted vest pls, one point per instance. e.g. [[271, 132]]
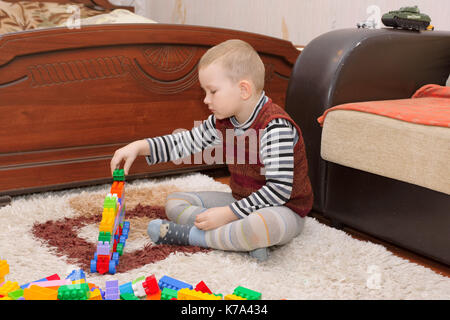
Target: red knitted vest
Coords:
[[242, 157]]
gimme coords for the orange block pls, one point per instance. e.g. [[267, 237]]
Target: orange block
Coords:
[[117, 188], [40, 293], [155, 296]]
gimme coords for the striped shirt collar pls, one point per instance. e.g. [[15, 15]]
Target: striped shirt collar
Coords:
[[244, 126]]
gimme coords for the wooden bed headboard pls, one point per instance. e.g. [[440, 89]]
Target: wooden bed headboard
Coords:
[[100, 5], [71, 97]]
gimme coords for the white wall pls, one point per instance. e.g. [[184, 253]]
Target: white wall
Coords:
[[299, 21]]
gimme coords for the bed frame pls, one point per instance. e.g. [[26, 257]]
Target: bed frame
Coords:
[[70, 97]]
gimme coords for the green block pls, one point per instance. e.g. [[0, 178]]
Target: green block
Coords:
[[128, 296], [247, 293], [119, 175], [138, 279], [109, 202], [167, 294], [16, 294], [104, 236], [119, 249], [79, 291]]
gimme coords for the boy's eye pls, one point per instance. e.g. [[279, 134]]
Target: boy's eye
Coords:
[[213, 91]]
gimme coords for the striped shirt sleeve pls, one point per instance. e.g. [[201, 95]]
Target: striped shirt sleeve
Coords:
[[182, 144], [277, 155]]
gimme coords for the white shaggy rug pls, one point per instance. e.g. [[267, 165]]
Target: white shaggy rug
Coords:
[[321, 263]]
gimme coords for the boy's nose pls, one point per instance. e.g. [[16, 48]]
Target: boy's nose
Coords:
[[206, 100]]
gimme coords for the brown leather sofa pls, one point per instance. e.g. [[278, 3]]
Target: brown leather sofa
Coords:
[[352, 65]]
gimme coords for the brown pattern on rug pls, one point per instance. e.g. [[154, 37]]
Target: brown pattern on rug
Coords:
[[62, 236], [88, 203]]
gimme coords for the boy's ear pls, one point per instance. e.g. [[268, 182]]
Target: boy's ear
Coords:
[[246, 89]]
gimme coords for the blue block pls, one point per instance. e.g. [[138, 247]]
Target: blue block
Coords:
[[126, 288], [171, 283], [24, 286], [76, 275]]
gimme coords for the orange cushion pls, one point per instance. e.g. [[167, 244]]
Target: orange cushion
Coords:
[[430, 105]]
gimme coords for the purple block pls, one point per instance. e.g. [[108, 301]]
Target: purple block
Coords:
[[112, 291], [103, 248]]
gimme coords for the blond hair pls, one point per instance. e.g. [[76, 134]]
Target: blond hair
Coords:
[[239, 59]]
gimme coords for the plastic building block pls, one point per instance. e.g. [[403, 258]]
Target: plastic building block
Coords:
[[103, 248], [189, 294], [113, 230], [104, 236], [16, 294], [51, 283], [168, 294], [96, 294], [150, 285], [117, 188], [74, 292], [102, 264], [8, 287], [4, 270], [155, 296], [138, 280], [119, 175], [126, 288], [77, 275], [112, 290], [49, 278], [78, 281], [39, 293], [128, 296], [53, 277], [171, 283], [138, 289], [247, 293], [201, 286], [233, 297], [119, 248]]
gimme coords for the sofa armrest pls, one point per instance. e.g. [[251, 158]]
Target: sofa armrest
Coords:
[[351, 65]]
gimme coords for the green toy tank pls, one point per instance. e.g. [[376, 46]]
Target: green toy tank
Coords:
[[406, 18]]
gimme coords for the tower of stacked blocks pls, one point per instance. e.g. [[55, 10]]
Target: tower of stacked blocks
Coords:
[[113, 230]]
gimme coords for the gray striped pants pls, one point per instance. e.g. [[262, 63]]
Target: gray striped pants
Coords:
[[262, 228]]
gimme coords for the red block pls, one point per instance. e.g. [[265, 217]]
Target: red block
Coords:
[[53, 277], [150, 285], [102, 264], [202, 287]]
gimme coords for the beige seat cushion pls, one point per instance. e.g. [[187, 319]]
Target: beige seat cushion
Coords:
[[413, 153]]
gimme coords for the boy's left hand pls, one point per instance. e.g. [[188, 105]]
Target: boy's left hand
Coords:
[[214, 218]]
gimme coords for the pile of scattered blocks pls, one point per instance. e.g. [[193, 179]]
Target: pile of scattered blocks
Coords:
[[76, 287], [113, 233]]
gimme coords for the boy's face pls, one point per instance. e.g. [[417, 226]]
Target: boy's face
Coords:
[[222, 95]]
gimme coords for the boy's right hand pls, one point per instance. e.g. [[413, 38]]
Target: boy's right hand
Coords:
[[128, 154]]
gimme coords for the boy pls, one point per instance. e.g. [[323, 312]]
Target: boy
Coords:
[[270, 195]]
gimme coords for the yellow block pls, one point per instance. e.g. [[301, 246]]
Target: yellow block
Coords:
[[233, 297], [78, 281], [4, 269], [7, 287], [107, 223], [96, 295], [188, 294]]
